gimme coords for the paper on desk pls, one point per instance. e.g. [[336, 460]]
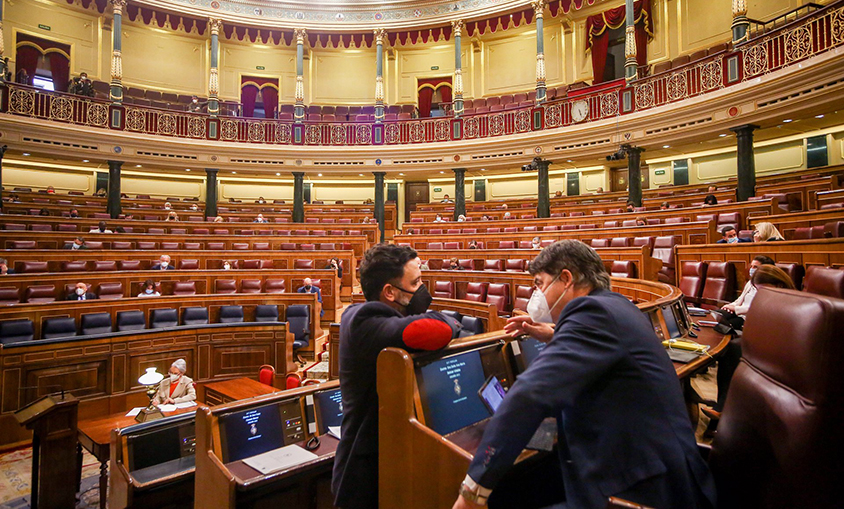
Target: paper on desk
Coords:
[[186, 404], [166, 408], [334, 431], [135, 411], [278, 459]]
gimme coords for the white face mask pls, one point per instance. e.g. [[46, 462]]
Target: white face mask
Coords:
[[80, 291], [732, 240], [226, 266], [173, 377], [752, 271], [149, 290], [164, 265], [537, 306]]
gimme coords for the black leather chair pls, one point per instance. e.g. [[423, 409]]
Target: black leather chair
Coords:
[[58, 327], [299, 320], [16, 331], [231, 314], [266, 313], [130, 320], [163, 318], [454, 314], [95, 323], [195, 315], [471, 325]]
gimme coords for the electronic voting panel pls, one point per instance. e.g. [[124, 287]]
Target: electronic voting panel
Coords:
[[256, 430], [329, 409], [165, 445], [449, 385]]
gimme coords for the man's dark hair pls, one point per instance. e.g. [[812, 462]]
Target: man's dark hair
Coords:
[[727, 229], [581, 260], [80, 239], [764, 260], [381, 264]]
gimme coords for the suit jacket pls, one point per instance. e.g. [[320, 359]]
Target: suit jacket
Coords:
[[723, 241], [318, 292], [157, 266], [184, 391], [365, 330], [622, 425], [88, 296]]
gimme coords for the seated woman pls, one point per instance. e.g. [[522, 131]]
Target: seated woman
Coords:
[[710, 200], [177, 388], [148, 289], [766, 232]]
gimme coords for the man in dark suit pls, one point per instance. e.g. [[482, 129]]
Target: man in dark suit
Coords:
[[394, 315], [729, 235], [163, 263], [309, 287], [4, 267], [622, 424], [81, 293]]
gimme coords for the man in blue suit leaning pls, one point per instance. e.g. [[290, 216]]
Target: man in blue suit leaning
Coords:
[[622, 426]]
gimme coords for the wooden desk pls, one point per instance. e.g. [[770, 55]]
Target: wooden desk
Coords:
[[94, 435], [217, 393]]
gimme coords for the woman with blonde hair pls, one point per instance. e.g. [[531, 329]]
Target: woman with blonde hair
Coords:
[[766, 232]]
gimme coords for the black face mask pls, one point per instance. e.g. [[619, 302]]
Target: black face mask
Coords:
[[307, 288], [420, 301]]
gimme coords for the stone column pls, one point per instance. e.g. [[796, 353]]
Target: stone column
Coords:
[[2, 153], [459, 192], [113, 203], [539, 8], [116, 92], [210, 192], [630, 65], [3, 68], [740, 22], [746, 161], [380, 34], [213, 80], [299, 108], [298, 197], [543, 201], [457, 83], [634, 175], [379, 201]]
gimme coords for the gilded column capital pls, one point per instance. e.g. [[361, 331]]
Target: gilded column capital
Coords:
[[117, 6], [380, 34], [538, 7], [215, 24], [300, 34], [457, 26], [739, 8]]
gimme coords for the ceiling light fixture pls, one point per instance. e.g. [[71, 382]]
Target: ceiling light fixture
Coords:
[[26, 154], [722, 135], [86, 161], [819, 116], [137, 166], [278, 174], [666, 146], [187, 169], [234, 173], [787, 121]]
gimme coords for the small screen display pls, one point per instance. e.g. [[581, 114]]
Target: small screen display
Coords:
[[671, 323], [530, 349], [493, 394], [249, 432], [330, 409], [160, 445], [448, 388]]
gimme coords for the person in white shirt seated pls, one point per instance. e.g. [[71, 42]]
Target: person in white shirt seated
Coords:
[[149, 290], [101, 227], [176, 388], [446, 199], [261, 219], [439, 219], [741, 305]]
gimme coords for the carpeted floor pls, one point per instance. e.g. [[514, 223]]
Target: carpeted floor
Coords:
[[15, 475]]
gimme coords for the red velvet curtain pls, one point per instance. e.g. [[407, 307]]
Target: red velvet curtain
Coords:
[[445, 93], [26, 57], [597, 36], [270, 97], [248, 94], [60, 67], [425, 96], [426, 89]]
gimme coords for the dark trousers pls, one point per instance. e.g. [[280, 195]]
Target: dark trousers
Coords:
[[727, 364]]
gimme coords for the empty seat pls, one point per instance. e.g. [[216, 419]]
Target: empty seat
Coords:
[[23, 244], [298, 319], [250, 286], [16, 227], [74, 266], [194, 315], [39, 294], [834, 229], [274, 286], [225, 286], [16, 331], [303, 264], [493, 265], [471, 326], [600, 243], [129, 264], [476, 292], [523, 294], [9, 295], [266, 313], [692, 277], [41, 227], [130, 320], [188, 264], [122, 244], [621, 242], [507, 244], [162, 318], [444, 289], [525, 244], [95, 323], [514, 265], [231, 314], [110, 290], [623, 268], [628, 223], [644, 241], [171, 246], [498, 294], [58, 327], [664, 250], [184, 288], [824, 281], [720, 285]]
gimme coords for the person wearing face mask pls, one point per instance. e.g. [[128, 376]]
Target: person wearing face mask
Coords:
[[729, 235], [309, 287], [227, 265], [195, 106], [394, 315], [163, 263], [78, 243], [81, 293], [149, 289], [176, 388], [622, 423]]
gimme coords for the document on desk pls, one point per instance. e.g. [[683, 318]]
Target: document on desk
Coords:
[[281, 458], [186, 404], [167, 408], [135, 411], [334, 431]]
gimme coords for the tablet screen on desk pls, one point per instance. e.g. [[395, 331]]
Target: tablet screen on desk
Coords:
[[250, 432], [159, 444], [671, 323], [448, 389], [329, 409]]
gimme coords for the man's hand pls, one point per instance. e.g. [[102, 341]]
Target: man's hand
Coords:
[[169, 401], [729, 307], [462, 503], [522, 324]]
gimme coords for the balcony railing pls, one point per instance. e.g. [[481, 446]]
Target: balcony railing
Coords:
[[814, 34]]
